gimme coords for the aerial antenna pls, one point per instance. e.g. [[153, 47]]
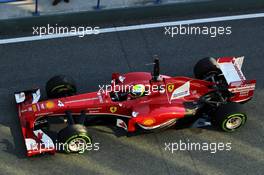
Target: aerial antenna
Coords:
[[156, 70]]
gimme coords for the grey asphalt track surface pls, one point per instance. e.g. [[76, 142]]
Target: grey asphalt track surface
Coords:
[[92, 59]]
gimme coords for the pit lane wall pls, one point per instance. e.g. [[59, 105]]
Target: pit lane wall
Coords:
[[120, 14]]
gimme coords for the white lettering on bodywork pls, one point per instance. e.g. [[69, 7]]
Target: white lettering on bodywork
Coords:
[[181, 91], [244, 88], [239, 62]]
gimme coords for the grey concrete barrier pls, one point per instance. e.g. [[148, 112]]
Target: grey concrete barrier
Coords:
[[121, 14]]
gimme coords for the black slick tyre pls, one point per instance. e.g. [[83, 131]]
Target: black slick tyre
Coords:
[[74, 139], [60, 86], [229, 117], [205, 67]]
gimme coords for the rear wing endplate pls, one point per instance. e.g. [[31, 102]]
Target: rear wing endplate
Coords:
[[237, 84]]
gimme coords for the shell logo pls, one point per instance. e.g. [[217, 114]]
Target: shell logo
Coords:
[[50, 104], [148, 122], [34, 107]]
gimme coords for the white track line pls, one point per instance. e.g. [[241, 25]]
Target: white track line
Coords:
[[136, 27]]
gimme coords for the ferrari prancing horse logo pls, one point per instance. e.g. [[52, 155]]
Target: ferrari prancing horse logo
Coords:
[[170, 87], [113, 109]]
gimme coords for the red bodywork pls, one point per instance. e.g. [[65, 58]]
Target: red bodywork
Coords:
[[150, 111]]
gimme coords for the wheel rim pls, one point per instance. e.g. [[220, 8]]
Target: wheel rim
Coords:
[[76, 145], [233, 122]]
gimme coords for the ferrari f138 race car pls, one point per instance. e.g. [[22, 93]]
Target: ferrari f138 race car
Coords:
[[146, 102]]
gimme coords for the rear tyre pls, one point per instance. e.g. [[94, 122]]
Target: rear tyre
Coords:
[[60, 86], [229, 117], [74, 138], [206, 67]]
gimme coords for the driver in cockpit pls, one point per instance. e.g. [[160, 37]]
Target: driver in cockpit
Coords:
[[137, 90]]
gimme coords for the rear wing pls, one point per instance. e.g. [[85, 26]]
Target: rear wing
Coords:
[[242, 89], [36, 141]]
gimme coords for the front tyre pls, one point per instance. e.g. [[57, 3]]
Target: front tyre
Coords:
[[74, 139], [229, 117]]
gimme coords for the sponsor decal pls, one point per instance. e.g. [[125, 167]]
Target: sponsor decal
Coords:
[[120, 123], [60, 104], [38, 107], [94, 108], [113, 109], [134, 114], [23, 111], [30, 109], [45, 113], [170, 87], [50, 105], [34, 107], [42, 106], [94, 111], [148, 122], [81, 100], [243, 88], [243, 93], [240, 74], [181, 91], [239, 62]]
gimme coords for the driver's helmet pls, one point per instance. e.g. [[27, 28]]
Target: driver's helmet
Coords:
[[138, 90]]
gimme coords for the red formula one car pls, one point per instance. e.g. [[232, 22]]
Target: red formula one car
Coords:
[[139, 101]]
